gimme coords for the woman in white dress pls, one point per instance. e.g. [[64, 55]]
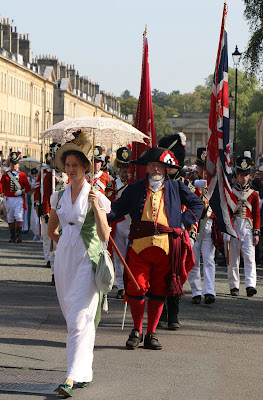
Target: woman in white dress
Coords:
[[81, 213]]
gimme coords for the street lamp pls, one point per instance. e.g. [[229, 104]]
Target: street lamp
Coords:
[[236, 59]]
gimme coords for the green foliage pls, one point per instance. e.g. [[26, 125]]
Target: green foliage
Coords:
[[253, 55], [249, 106]]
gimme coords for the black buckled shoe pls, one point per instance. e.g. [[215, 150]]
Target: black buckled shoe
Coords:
[[234, 292], [135, 338], [173, 326], [151, 342], [251, 291], [120, 294], [196, 300], [209, 298]]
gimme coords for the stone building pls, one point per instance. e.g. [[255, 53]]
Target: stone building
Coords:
[[35, 94], [195, 127]]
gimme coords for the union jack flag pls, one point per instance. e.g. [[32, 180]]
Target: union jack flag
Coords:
[[219, 194]]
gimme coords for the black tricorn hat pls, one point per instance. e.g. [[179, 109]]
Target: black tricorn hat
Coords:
[[14, 157], [174, 143], [243, 164], [201, 154], [123, 157], [157, 154]]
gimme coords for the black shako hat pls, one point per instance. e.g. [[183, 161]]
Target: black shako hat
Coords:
[[14, 157], [201, 154], [157, 154], [123, 157], [243, 164], [98, 154], [176, 144]]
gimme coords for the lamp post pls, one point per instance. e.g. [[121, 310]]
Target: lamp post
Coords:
[[230, 100], [236, 59]]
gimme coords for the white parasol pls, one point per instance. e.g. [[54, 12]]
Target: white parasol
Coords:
[[107, 130], [29, 162]]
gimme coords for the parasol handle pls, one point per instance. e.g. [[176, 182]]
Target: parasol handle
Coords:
[[124, 264], [92, 161]]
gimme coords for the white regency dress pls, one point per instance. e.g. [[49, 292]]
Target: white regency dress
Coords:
[[75, 283]]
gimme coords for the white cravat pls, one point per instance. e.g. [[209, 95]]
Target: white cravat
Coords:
[[156, 185]]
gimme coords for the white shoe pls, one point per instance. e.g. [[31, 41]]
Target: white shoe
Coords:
[[35, 238]]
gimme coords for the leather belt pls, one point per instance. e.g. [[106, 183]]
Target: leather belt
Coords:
[[71, 223]]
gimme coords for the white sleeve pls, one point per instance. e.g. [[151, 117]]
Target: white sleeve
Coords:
[[54, 200], [104, 203]]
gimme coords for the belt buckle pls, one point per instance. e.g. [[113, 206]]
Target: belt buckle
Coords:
[[71, 223]]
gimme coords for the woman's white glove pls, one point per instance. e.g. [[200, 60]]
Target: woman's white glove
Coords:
[[18, 192], [226, 237], [200, 183]]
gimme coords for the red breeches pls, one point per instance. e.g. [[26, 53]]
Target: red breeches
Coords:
[[151, 269]]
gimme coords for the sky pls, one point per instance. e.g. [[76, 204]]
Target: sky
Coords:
[[103, 39]]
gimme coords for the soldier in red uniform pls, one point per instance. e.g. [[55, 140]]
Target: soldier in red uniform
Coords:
[[246, 221], [101, 178], [38, 205], [15, 184]]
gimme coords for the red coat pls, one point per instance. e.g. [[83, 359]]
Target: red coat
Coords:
[[101, 181], [248, 209], [37, 193], [9, 188]]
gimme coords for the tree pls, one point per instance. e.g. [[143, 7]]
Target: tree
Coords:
[[253, 55], [126, 95]]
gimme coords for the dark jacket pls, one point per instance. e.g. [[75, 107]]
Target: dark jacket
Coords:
[[176, 193]]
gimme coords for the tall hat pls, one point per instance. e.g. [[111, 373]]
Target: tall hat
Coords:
[[98, 156], [243, 164], [201, 154], [14, 157], [80, 144], [123, 157], [48, 158], [104, 165], [157, 154], [176, 144], [33, 171]]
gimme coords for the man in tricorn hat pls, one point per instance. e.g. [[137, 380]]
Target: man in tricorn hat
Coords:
[[121, 228], [15, 184], [156, 233], [246, 221], [176, 144]]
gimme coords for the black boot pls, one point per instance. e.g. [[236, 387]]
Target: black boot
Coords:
[[13, 235], [163, 318], [18, 234], [173, 310]]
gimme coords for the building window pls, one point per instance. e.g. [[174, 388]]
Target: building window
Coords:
[[188, 147], [198, 144]]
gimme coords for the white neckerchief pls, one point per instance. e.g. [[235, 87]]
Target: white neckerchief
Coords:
[[156, 185]]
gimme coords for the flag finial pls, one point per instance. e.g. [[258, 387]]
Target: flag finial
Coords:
[[145, 30]]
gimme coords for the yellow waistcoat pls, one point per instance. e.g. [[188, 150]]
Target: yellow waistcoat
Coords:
[[160, 240]]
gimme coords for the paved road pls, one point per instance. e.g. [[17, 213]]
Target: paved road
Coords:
[[216, 354]]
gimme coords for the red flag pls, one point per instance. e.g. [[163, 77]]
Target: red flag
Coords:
[[144, 117]]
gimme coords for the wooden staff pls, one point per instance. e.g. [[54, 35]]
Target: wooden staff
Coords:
[[124, 263]]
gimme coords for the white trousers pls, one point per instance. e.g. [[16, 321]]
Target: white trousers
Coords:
[[14, 209], [34, 222], [52, 256], [46, 240], [204, 245], [121, 240], [245, 245]]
